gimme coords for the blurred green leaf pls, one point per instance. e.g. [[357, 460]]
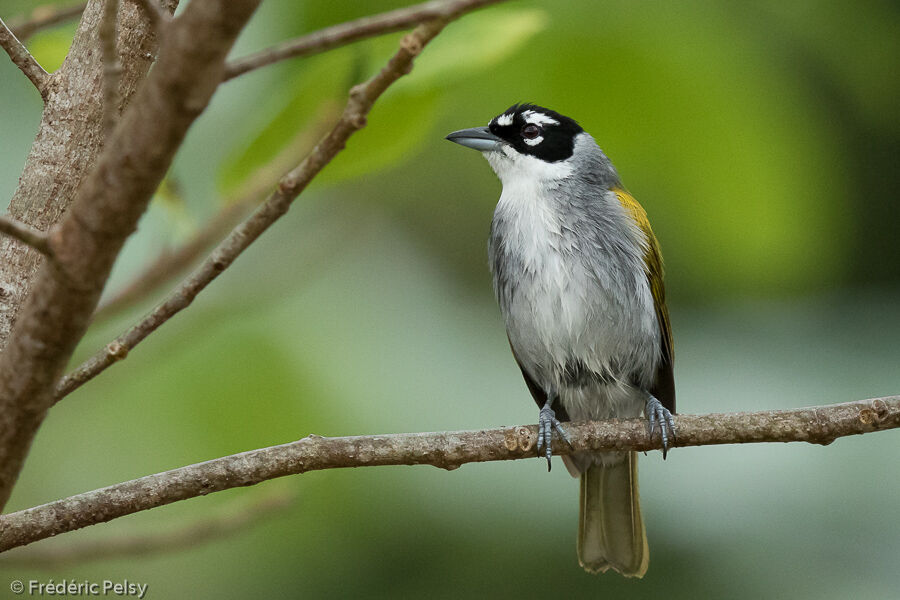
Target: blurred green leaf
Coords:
[[477, 43], [49, 47], [289, 110], [170, 197]]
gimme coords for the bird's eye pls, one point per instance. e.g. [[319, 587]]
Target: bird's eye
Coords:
[[531, 131]]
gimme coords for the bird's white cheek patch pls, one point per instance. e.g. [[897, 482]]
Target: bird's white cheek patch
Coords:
[[535, 141]]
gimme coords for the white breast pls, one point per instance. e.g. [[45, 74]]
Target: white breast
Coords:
[[549, 311]]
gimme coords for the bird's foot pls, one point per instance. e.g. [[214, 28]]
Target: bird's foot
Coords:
[[547, 423], [659, 417]]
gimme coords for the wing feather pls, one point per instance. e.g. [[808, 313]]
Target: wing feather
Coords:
[[663, 387]]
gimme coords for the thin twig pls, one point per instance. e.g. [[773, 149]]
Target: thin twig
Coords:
[[23, 59], [112, 69], [211, 527], [43, 17], [25, 234], [171, 264], [349, 32], [447, 450], [362, 97]]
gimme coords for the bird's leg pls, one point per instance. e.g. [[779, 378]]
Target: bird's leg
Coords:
[[547, 422], [658, 416]]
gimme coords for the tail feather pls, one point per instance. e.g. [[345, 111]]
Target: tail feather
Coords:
[[610, 530]]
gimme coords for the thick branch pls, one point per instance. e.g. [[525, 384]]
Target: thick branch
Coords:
[[23, 59], [112, 70], [109, 203], [33, 237], [158, 15], [43, 17], [447, 450], [362, 97], [352, 31], [68, 143]]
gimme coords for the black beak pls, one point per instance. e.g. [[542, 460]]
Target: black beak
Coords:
[[479, 138]]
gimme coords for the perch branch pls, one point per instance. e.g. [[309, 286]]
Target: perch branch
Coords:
[[23, 59], [33, 237], [43, 17], [352, 31], [232, 520], [447, 450], [362, 97]]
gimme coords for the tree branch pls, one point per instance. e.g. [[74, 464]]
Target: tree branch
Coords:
[[158, 15], [447, 450], [112, 70], [352, 31], [23, 59], [43, 17], [33, 237], [106, 210], [362, 97], [211, 527], [68, 143]]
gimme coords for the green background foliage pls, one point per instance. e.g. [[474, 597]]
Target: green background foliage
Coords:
[[762, 138]]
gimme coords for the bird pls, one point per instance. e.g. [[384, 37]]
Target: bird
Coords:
[[578, 275]]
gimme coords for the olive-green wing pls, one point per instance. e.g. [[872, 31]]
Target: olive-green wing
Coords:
[[663, 387]]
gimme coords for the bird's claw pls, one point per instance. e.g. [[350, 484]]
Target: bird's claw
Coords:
[[659, 417], [547, 423]]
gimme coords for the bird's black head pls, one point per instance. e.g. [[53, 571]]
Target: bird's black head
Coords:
[[536, 131]]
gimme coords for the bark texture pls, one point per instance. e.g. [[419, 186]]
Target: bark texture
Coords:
[[68, 141]]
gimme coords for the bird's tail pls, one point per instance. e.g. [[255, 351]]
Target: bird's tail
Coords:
[[610, 529]]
